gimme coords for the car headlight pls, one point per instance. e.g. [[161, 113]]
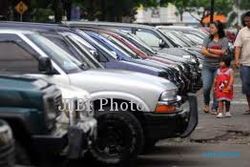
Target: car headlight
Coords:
[[190, 58], [193, 60], [187, 56], [169, 95], [168, 102], [200, 66]]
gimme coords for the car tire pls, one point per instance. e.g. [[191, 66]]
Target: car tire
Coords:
[[21, 155], [7, 153], [119, 138]]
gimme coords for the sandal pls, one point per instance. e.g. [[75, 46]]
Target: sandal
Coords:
[[206, 109], [213, 112]]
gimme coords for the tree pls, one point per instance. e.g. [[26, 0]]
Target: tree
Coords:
[[243, 4], [113, 10], [235, 17], [182, 6], [221, 6]]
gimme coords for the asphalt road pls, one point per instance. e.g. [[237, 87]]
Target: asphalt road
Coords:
[[197, 155], [190, 155]]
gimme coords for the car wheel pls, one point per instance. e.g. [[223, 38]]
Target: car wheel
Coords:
[[119, 138], [7, 156], [21, 154]]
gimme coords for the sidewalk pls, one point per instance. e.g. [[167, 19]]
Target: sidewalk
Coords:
[[230, 130]]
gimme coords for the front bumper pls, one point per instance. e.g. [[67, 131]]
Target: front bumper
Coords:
[[180, 124], [80, 137], [71, 141]]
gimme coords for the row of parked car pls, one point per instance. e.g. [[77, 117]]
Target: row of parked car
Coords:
[[47, 70]]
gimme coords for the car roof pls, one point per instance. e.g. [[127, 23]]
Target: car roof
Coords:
[[14, 30], [177, 27], [111, 24], [35, 26]]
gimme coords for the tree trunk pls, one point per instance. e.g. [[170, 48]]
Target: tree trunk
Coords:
[[181, 16], [103, 10], [68, 6], [58, 10]]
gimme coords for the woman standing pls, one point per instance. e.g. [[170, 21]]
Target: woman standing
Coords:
[[214, 46]]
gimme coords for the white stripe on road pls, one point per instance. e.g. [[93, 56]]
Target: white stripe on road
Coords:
[[241, 101]]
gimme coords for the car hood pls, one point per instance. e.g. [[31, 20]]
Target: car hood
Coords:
[[152, 63], [139, 63], [71, 92], [119, 80], [173, 51]]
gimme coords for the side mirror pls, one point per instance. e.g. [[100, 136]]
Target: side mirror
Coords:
[[85, 66], [162, 44], [45, 65], [95, 54]]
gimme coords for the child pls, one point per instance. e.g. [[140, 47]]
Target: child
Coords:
[[223, 86]]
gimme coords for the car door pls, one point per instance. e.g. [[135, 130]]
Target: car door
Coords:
[[18, 57]]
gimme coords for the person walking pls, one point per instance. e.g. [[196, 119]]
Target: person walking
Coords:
[[214, 46], [223, 86], [242, 56]]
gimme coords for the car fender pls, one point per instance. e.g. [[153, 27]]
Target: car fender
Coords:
[[20, 117], [121, 96]]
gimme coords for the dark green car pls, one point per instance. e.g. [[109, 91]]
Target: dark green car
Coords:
[[31, 107]]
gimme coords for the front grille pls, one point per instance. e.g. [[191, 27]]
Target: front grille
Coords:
[[52, 101], [57, 103]]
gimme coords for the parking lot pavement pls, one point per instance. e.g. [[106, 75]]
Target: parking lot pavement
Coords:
[[193, 154], [230, 130]]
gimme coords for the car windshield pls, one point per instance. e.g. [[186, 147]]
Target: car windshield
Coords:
[[183, 37], [123, 46], [96, 43], [112, 47], [174, 38], [84, 47], [58, 55], [195, 38], [141, 43]]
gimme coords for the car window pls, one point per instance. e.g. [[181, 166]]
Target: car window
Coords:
[[123, 46], [149, 38], [64, 42], [14, 58], [195, 38], [61, 57], [91, 46], [103, 52], [174, 38]]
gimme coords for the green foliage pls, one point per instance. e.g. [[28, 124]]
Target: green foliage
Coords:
[[114, 10], [220, 6], [244, 4], [41, 10], [42, 15]]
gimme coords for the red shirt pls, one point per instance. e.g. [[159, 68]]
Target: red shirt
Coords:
[[222, 80]]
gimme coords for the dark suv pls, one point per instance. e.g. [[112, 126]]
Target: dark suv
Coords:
[[31, 108]]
